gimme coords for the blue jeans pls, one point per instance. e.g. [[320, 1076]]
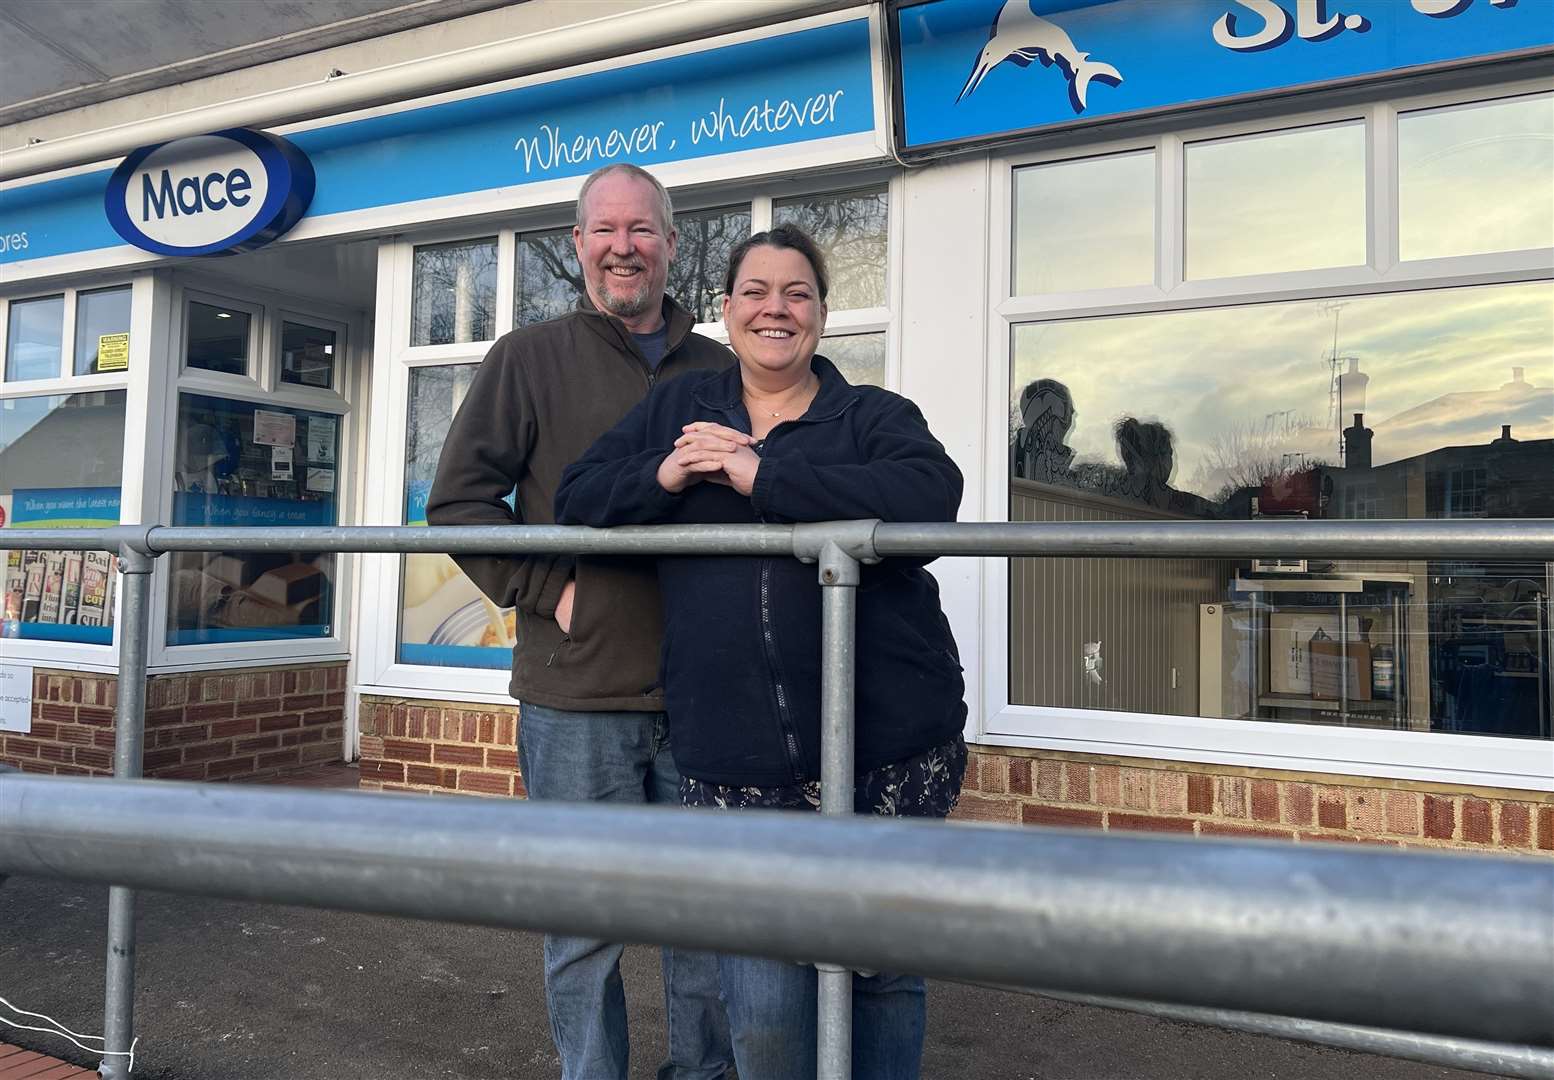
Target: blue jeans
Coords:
[[616, 757], [772, 1011]]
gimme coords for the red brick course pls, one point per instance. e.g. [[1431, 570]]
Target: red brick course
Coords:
[[1071, 790], [199, 726]]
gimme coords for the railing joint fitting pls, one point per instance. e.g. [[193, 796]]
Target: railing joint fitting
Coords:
[[851, 541], [132, 543]]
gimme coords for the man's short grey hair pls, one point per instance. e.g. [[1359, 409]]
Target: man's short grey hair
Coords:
[[636, 173]]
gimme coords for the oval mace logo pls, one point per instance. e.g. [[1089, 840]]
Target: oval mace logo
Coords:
[[214, 194]]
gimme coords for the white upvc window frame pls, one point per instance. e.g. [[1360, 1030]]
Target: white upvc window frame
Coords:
[[135, 381], [261, 386], [1427, 756], [377, 635]]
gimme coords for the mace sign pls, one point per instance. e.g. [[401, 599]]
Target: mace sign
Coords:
[[212, 194]]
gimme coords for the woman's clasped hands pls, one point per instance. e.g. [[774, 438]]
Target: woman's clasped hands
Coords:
[[708, 451]]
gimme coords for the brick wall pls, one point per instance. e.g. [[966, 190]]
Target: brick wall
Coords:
[[199, 725], [428, 746], [412, 744], [1049, 788]]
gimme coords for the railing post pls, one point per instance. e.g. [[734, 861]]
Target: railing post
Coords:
[[838, 655], [129, 719]]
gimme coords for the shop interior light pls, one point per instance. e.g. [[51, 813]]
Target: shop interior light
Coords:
[[223, 314]]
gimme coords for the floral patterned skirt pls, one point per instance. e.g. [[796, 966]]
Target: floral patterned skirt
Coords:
[[926, 785]]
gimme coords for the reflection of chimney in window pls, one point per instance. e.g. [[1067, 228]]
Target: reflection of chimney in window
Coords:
[[1518, 380]]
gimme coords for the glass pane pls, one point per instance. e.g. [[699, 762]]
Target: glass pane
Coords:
[[550, 281], [307, 355], [859, 357], [454, 296], [701, 258], [35, 338], [444, 619], [1476, 178], [851, 230], [1289, 200], [241, 464], [1084, 224], [61, 465], [1411, 405], [218, 339], [102, 331]]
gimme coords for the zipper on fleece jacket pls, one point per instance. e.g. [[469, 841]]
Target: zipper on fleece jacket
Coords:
[[785, 720]]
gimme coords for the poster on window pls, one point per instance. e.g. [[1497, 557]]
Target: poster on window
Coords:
[[445, 620]]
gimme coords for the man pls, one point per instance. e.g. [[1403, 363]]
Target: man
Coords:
[[592, 726]]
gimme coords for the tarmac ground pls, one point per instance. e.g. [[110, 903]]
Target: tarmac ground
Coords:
[[242, 991]]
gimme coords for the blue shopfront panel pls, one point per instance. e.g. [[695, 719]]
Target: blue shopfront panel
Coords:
[[779, 91], [983, 69]]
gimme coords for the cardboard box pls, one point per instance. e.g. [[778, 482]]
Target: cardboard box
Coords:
[[1289, 647], [1329, 661]]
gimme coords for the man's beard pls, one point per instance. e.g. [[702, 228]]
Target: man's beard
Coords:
[[624, 304]]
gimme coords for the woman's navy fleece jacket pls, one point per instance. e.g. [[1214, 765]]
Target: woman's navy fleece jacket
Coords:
[[741, 661]]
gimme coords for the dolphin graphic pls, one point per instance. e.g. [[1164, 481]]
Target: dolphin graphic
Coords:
[[1019, 34]]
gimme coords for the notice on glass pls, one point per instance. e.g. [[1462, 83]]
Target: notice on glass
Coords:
[[321, 479], [16, 697], [274, 429], [321, 439], [112, 352], [280, 463]]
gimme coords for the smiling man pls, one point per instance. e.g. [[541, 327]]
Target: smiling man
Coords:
[[592, 726]]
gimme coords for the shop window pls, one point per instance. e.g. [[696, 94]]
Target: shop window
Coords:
[[1084, 224], [308, 355], [1476, 178], [444, 620], [34, 339], [242, 464], [61, 466], [1407, 405], [1281, 201], [218, 338], [851, 228], [705, 238], [549, 279], [102, 331], [859, 357], [454, 295]]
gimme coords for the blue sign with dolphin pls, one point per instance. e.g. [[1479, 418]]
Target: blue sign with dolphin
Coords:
[[988, 69]]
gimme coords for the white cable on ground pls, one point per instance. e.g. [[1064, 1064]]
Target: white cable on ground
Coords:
[[68, 1035]]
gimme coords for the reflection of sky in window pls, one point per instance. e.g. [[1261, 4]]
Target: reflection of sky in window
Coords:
[[1440, 366], [859, 357], [19, 415], [1085, 224], [1292, 200], [37, 330], [1476, 178]]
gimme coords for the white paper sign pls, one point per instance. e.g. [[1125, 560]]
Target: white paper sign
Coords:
[[274, 429], [280, 463], [321, 479], [16, 697], [321, 439]]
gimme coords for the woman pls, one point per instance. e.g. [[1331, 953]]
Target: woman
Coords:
[[783, 437]]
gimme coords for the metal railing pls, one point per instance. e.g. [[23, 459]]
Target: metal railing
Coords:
[[1438, 957]]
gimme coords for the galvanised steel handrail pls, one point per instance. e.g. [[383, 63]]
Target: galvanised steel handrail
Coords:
[[1413, 941]]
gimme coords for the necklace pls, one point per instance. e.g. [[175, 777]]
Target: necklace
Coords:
[[776, 414]]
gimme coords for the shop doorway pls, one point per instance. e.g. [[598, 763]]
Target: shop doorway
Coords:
[[269, 367]]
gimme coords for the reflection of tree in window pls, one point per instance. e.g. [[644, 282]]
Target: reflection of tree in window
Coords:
[[850, 229], [435, 396], [701, 258], [550, 280], [455, 293]]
